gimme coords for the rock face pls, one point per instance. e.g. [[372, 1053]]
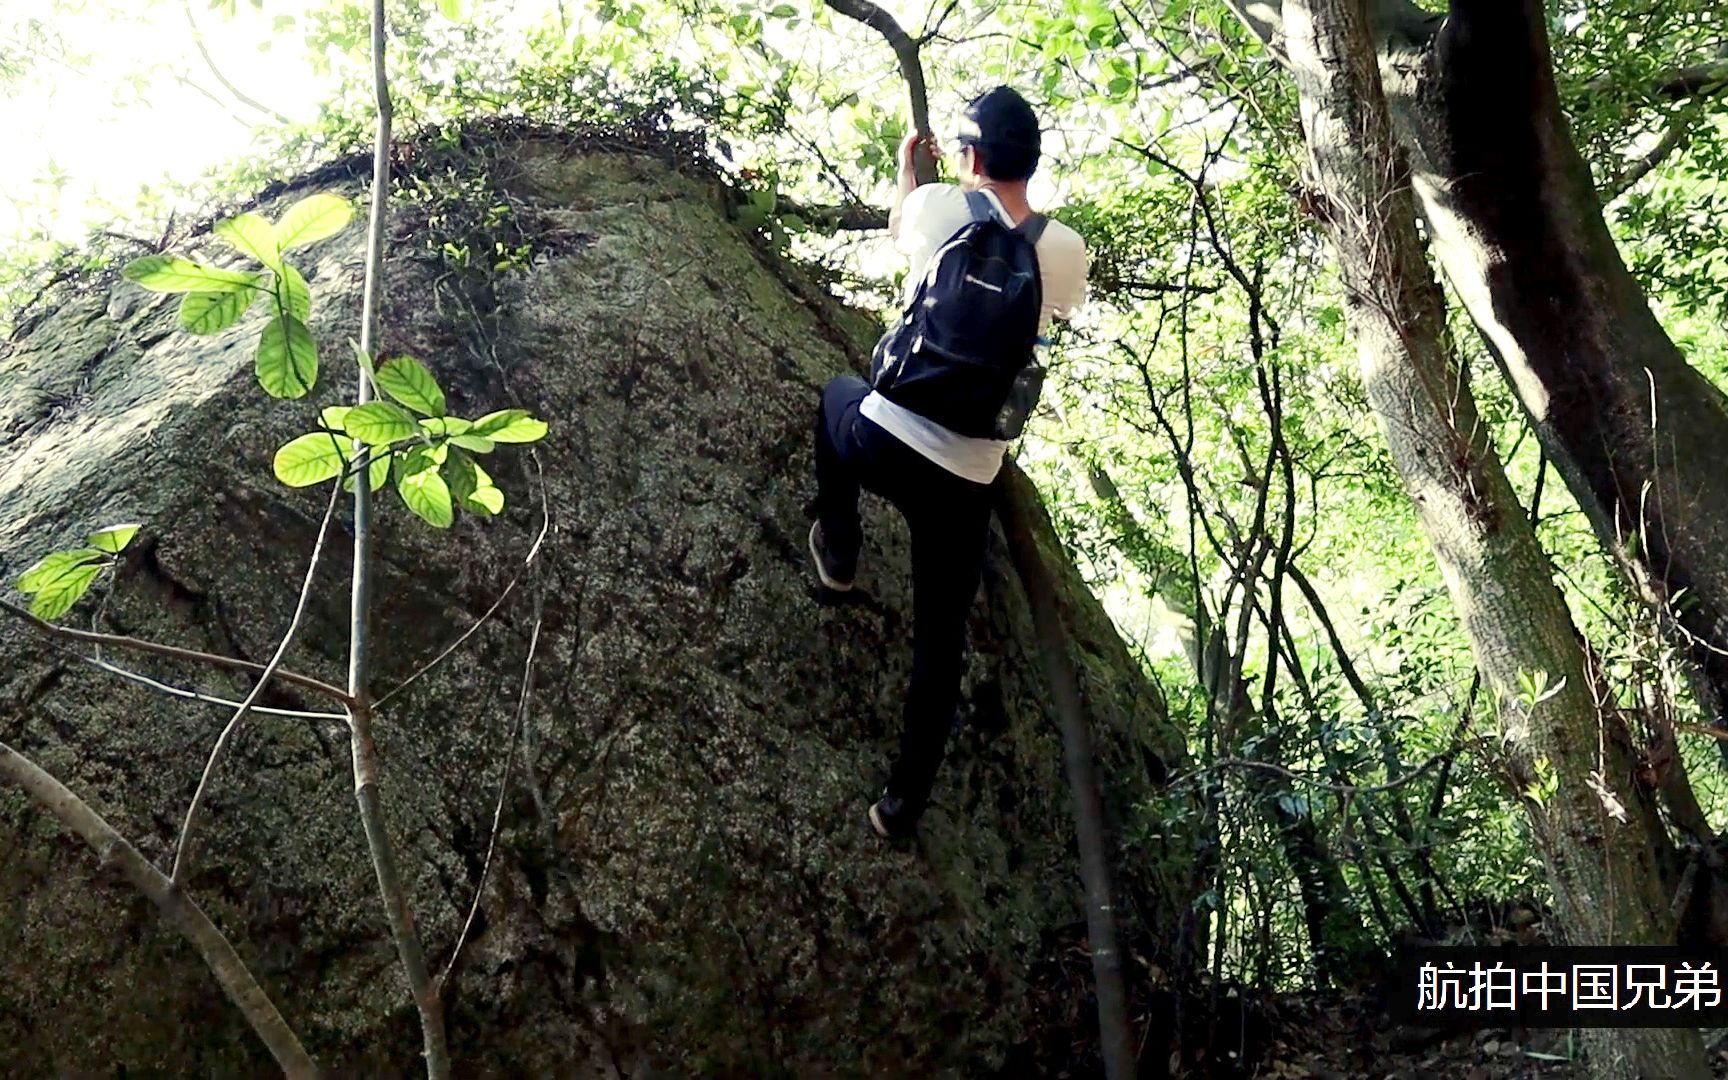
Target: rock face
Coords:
[[683, 881]]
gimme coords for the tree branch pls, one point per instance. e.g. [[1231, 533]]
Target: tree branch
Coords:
[[1676, 135], [193, 695], [911, 70], [444, 653], [1390, 21], [365, 753], [1265, 20], [183, 849], [185, 916], [845, 217], [210, 62], [66, 633], [523, 702], [1020, 512], [1697, 81]]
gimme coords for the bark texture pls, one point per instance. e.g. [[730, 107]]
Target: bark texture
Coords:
[[684, 881], [1598, 832], [1640, 436]]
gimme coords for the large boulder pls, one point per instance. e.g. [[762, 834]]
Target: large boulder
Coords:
[[683, 880]]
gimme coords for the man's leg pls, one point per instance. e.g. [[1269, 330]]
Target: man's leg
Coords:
[[948, 536], [837, 472]]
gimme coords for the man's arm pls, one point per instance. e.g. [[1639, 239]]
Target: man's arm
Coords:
[[908, 178], [1065, 281]]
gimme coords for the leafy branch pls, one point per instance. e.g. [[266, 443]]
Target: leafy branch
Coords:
[[408, 437]]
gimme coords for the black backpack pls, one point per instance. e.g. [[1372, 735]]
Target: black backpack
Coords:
[[962, 353]]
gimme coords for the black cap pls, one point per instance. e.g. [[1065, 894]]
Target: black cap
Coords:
[[1003, 125]]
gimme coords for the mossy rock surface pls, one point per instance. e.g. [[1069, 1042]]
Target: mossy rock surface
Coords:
[[683, 882]]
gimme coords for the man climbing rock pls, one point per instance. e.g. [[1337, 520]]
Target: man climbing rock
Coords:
[[952, 383]]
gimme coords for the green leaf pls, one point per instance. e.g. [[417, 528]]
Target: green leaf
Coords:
[[446, 426], [361, 358], [113, 539], [486, 501], [379, 423], [310, 459], [426, 494], [293, 292], [57, 597], [251, 235], [407, 380], [378, 471], [451, 9], [461, 475], [471, 487], [332, 415], [171, 274], [510, 426], [477, 443], [214, 312], [311, 220], [287, 358], [409, 462], [54, 566]]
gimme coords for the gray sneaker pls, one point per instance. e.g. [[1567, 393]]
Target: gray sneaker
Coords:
[[892, 818], [834, 574]]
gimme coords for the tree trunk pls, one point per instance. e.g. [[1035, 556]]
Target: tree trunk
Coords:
[[1594, 830], [1640, 437]]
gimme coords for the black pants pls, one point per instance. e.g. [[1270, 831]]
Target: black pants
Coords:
[[949, 518]]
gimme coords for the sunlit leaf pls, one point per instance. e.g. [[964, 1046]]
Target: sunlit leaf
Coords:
[[113, 539], [295, 293], [472, 488], [378, 471], [426, 494], [477, 443], [510, 426], [379, 423], [407, 380], [312, 219], [57, 597], [251, 235], [287, 358], [214, 312], [54, 566], [486, 501], [446, 425], [171, 273], [310, 459]]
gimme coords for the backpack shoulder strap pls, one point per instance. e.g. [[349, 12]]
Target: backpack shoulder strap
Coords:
[[1033, 228], [979, 204]]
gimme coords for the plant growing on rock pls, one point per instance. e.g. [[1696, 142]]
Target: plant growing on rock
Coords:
[[409, 439]]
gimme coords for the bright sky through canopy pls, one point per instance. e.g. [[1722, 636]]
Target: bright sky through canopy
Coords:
[[85, 137]]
